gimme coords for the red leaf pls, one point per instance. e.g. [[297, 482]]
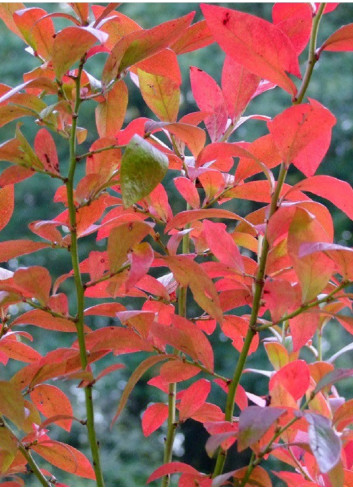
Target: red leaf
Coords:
[[281, 297], [295, 20], [19, 351], [188, 191], [190, 274], [209, 98], [208, 413], [265, 150], [141, 259], [7, 201], [258, 45], [45, 320], [302, 134], [341, 40], [222, 245], [186, 217], [65, 457], [330, 7], [172, 468], [295, 480], [213, 183], [193, 398], [51, 401], [59, 303], [294, 377], [142, 44], [303, 328], [110, 113], [48, 230], [109, 309], [14, 174], [236, 328], [117, 339], [194, 37], [222, 150], [338, 192], [238, 86], [34, 282], [70, 44], [158, 204], [154, 417], [176, 371]]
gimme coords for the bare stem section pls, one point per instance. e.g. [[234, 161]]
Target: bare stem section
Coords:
[[79, 285]]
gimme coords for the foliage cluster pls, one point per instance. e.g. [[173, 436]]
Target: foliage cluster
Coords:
[[271, 279]]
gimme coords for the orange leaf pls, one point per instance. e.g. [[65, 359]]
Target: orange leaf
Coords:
[[12, 249], [51, 401], [142, 44], [71, 44], [65, 457], [122, 238], [110, 114], [45, 320], [7, 202]]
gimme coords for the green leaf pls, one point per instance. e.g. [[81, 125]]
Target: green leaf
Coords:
[[161, 94], [142, 169], [12, 403], [324, 442]]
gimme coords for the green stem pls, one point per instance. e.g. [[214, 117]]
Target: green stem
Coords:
[[172, 424], [34, 467], [259, 284], [306, 307], [47, 309], [79, 285], [312, 58], [97, 151]]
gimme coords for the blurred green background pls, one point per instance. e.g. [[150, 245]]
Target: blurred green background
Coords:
[[128, 458]]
